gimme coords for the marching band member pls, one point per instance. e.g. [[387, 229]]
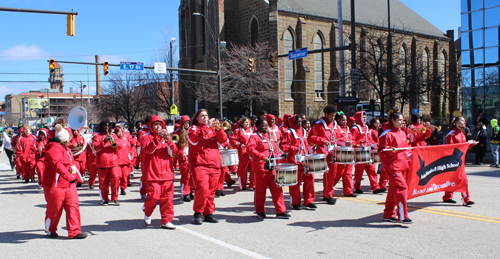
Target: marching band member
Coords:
[[123, 156], [27, 147], [158, 151], [18, 152], [187, 185], [91, 162], [260, 147], [294, 143], [107, 166], [273, 128], [59, 188], [80, 161], [417, 129], [239, 140], [362, 137], [144, 130], [284, 126], [456, 136], [322, 135], [225, 174], [61, 122], [396, 164], [344, 171], [205, 162], [40, 144]]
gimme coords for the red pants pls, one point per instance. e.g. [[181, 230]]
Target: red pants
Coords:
[[371, 171], [308, 189], [382, 181], [142, 187], [92, 168], [28, 170], [243, 166], [465, 195], [264, 179], [396, 196], [162, 191], [19, 166], [233, 169], [107, 175], [187, 186], [345, 172], [40, 167], [206, 180], [124, 173], [57, 199], [329, 178], [224, 176]]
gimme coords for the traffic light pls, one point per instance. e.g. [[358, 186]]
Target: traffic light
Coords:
[[273, 60], [106, 67], [70, 25], [52, 70], [251, 67]]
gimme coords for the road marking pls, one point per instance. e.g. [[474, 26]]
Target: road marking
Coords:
[[431, 210], [222, 243]]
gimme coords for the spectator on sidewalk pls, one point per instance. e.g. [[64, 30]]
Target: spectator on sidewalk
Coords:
[[480, 136], [494, 141]]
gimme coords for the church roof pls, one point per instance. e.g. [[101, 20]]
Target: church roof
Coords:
[[369, 12]]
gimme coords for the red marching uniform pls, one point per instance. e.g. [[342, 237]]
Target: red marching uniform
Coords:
[[240, 137], [81, 160], [40, 155], [362, 136], [260, 146], [91, 162], [418, 137], [294, 142], [396, 166], [343, 171], [274, 130], [18, 152], [158, 173], [456, 136], [60, 190], [186, 181], [124, 160], [284, 127], [107, 167], [28, 149], [141, 133], [205, 162]]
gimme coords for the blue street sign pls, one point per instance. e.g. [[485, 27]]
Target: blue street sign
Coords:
[[297, 53], [131, 66], [417, 111]]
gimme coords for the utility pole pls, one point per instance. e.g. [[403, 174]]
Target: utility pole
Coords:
[[341, 43], [172, 99], [97, 76], [389, 54]]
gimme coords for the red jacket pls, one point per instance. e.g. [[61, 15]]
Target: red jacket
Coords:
[[259, 149], [360, 132], [374, 134], [284, 127], [16, 145], [133, 146], [393, 137], [141, 133], [273, 129], [52, 132], [239, 137], [106, 156], [320, 132], [343, 135], [157, 154], [40, 155], [28, 149], [455, 136], [57, 162], [294, 142], [418, 136], [204, 147], [77, 140], [123, 150]]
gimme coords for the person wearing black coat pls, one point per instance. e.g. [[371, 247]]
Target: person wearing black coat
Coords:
[[480, 135]]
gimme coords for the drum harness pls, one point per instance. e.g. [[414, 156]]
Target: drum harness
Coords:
[[332, 137], [298, 157]]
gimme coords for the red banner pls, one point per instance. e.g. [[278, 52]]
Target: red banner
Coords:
[[437, 169]]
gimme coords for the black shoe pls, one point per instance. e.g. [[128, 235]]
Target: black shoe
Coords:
[[283, 215], [18, 177], [53, 235], [231, 183], [381, 190], [450, 201], [82, 235], [123, 192], [115, 202], [261, 215], [217, 194], [297, 207], [26, 181], [330, 200], [221, 193], [105, 203], [186, 198], [198, 218], [244, 189], [128, 185], [191, 195], [470, 203], [311, 206], [493, 165], [91, 187], [407, 221], [391, 219], [210, 218], [358, 191], [352, 195], [32, 180]]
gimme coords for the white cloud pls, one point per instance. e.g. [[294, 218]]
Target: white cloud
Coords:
[[24, 52]]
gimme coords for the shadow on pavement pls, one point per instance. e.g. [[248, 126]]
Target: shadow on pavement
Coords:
[[116, 225], [373, 221], [20, 237]]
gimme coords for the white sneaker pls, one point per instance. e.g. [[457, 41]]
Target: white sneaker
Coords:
[[147, 220], [169, 225]]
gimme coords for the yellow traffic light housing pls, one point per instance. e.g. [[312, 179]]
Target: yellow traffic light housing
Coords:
[[251, 67], [52, 70], [273, 60], [70, 25], [106, 67]]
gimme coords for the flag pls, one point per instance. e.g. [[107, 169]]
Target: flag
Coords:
[[437, 169]]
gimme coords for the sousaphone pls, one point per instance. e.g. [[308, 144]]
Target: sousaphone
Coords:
[[77, 118]]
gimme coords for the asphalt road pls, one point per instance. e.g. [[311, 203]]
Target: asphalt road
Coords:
[[351, 228]]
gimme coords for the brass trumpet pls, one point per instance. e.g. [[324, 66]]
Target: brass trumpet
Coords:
[[175, 138], [226, 125], [112, 141]]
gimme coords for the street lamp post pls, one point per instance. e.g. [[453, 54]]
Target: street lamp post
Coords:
[[82, 86], [216, 38]]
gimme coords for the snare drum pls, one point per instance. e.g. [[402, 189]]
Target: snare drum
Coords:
[[375, 157], [344, 155], [316, 163], [286, 174], [229, 157], [363, 155]]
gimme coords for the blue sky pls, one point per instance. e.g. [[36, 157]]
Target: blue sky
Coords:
[[122, 30]]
